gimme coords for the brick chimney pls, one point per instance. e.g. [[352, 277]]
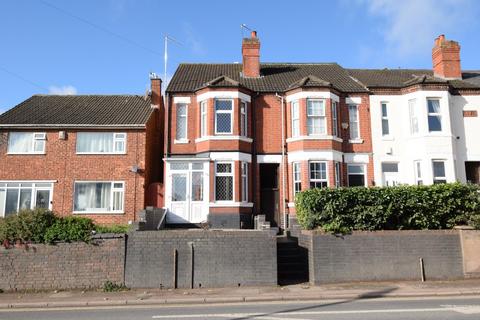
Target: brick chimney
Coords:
[[446, 59], [156, 89], [251, 56]]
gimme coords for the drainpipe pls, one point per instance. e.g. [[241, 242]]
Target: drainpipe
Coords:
[[284, 209], [254, 156]]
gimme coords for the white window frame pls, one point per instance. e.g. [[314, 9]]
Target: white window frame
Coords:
[[224, 111], [417, 168], [364, 172], [225, 174], [243, 119], [385, 118], [184, 118], [352, 123], [295, 106], [434, 114], [296, 169], [310, 180], [322, 117], [35, 186], [203, 119], [335, 118], [444, 178], [413, 116], [117, 137], [112, 193], [338, 173], [244, 181], [37, 137]]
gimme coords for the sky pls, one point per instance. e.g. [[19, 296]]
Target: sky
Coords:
[[111, 46]]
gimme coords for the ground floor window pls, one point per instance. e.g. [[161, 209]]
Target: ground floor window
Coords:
[[297, 178], [318, 174], [439, 171], [356, 175], [18, 195], [390, 174], [224, 181], [338, 175], [99, 197], [244, 181], [418, 172]]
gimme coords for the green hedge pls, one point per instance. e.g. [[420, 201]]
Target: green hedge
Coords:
[[42, 226], [438, 206]]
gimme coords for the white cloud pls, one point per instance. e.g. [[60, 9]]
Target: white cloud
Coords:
[[410, 26], [63, 90]]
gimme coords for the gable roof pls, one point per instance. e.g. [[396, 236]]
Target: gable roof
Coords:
[[309, 81], [79, 111], [275, 77]]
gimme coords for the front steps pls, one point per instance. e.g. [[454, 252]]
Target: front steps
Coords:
[[292, 261]]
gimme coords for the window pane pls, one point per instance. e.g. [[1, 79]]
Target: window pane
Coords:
[[96, 142], [318, 170], [118, 185], [355, 168], [434, 123], [385, 128], [3, 194], [179, 187], [224, 167], [223, 105], [11, 201], [197, 166], [92, 196], [353, 117], [118, 201], [384, 110], [315, 108], [438, 169], [389, 167], [224, 188], [197, 186], [356, 180], [433, 106], [318, 184], [179, 166], [39, 145], [181, 109], [181, 122], [119, 146], [20, 142], [43, 199], [25, 199], [224, 122]]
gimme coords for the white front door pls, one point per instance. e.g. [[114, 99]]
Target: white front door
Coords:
[[187, 199]]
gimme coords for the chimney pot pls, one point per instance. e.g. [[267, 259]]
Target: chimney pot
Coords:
[[254, 34]]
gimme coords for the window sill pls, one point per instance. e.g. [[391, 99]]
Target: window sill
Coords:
[[100, 153], [220, 204], [355, 141], [98, 212], [26, 153], [183, 141], [388, 138]]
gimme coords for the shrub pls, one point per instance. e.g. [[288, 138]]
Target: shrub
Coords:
[[26, 226], [404, 207], [70, 229], [115, 228], [110, 286]]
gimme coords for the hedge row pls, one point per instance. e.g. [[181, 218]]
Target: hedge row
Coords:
[[439, 206], [42, 226]]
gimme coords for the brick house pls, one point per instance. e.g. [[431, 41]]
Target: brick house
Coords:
[[97, 156], [242, 139]]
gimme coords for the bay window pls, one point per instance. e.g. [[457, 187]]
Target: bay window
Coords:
[[16, 196], [354, 123], [101, 142], [295, 119], [318, 174], [244, 181], [338, 175], [181, 126], [26, 142], [224, 181], [243, 119], [316, 119], [434, 115], [356, 175], [98, 197], [203, 118], [223, 116], [335, 119]]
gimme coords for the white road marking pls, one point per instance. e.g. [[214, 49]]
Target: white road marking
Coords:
[[465, 309]]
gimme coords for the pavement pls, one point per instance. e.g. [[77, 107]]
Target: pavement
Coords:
[[300, 292]]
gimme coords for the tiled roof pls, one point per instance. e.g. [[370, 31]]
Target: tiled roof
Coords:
[[275, 77], [79, 111]]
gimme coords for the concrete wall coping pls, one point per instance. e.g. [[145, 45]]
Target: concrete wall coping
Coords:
[[385, 232]]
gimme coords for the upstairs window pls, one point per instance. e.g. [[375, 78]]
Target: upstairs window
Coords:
[[295, 119], [26, 142], [181, 128], [434, 115], [316, 120], [439, 171], [223, 116], [243, 119], [354, 124], [318, 175], [101, 142], [335, 118], [385, 124], [203, 118], [412, 109]]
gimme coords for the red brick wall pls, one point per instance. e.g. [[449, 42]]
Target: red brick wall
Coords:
[[61, 163]]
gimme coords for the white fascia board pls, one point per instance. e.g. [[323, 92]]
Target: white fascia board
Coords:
[[224, 94], [269, 158], [313, 94], [230, 156], [357, 158], [353, 100], [181, 100], [295, 156]]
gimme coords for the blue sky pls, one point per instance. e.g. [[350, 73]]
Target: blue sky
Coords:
[[110, 46]]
